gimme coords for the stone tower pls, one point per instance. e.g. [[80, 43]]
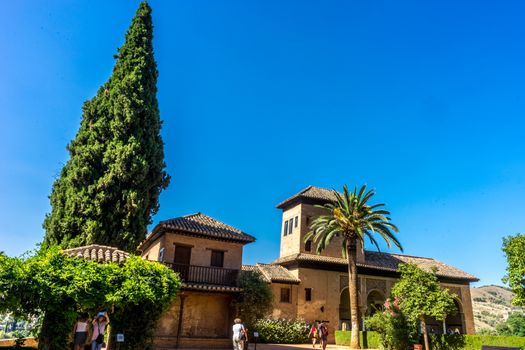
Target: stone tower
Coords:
[[298, 213]]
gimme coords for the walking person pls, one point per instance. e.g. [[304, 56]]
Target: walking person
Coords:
[[239, 334], [81, 331], [314, 334], [99, 328], [323, 333]]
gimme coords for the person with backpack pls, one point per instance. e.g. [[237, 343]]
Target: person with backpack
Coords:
[[239, 334], [314, 334], [323, 333], [99, 328]]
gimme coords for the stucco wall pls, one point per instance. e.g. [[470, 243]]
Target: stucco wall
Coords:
[[327, 287], [207, 315], [294, 243], [201, 250], [284, 310]]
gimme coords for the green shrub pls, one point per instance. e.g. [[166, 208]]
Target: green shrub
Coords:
[[343, 338], [474, 342], [282, 331], [447, 341]]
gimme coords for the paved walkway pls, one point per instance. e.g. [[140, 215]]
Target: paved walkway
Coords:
[[294, 347]]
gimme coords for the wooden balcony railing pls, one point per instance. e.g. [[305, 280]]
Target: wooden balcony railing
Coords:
[[206, 274]]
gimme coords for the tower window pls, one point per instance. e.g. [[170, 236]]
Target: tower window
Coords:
[[290, 226], [308, 294], [285, 295], [285, 228], [308, 246], [296, 221]]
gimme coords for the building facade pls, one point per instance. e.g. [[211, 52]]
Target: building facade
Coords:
[[207, 254], [316, 287]]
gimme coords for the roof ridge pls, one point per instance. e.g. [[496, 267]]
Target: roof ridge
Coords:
[[398, 254]]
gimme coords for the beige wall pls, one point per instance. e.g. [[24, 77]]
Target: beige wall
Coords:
[[327, 287], [294, 243], [200, 252], [152, 252], [205, 315], [284, 310], [325, 296], [290, 244]]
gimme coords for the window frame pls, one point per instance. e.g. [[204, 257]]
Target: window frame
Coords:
[[288, 294], [308, 246], [285, 228], [308, 294], [217, 253]]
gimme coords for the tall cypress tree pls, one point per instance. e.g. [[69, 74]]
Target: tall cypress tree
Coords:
[[109, 188]]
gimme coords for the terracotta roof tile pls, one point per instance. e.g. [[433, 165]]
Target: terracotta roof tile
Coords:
[[203, 225], [273, 273], [386, 262], [311, 192], [210, 287], [98, 253]]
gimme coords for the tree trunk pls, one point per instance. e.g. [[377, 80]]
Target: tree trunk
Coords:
[[351, 248], [425, 334]]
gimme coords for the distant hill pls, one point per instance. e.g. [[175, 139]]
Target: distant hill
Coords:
[[492, 305]]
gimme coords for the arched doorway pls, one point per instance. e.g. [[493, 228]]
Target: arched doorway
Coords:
[[344, 310], [374, 302], [452, 324]]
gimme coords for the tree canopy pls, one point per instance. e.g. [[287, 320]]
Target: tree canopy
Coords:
[[109, 189], [420, 295], [255, 300], [514, 249], [352, 218], [56, 287]]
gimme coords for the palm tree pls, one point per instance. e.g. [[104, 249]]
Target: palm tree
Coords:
[[352, 218]]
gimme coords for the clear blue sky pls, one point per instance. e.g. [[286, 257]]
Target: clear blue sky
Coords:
[[423, 101]]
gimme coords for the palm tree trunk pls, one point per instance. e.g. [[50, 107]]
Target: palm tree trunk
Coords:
[[425, 334], [351, 247]]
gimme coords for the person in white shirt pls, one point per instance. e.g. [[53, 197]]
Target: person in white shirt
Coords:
[[239, 335]]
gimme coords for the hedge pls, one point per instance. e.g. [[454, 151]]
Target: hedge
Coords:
[[470, 342], [343, 338], [474, 342]]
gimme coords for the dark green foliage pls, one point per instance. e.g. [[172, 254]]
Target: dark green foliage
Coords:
[[514, 249], [452, 342], [57, 287], [447, 341], [420, 295], [372, 338], [474, 342], [255, 300], [394, 330], [514, 325], [109, 188], [282, 331]]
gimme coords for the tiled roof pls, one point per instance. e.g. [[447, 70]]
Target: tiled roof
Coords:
[[386, 262], [98, 253], [311, 192], [210, 287], [203, 225], [273, 273]]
